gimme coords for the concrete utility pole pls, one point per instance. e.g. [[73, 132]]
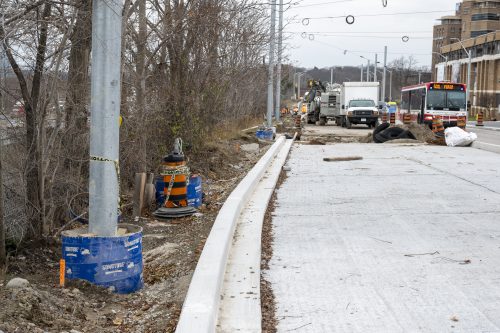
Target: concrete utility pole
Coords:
[[296, 83], [384, 75], [278, 67], [271, 66], [375, 69], [419, 77], [105, 111], [368, 71], [331, 75], [361, 73]]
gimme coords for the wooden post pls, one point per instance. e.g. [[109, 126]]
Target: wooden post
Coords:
[[138, 199]]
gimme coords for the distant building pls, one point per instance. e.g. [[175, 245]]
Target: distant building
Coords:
[[477, 24], [450, 27], [479, 17]]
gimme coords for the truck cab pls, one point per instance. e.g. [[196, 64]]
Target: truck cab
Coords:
[[362, 111]]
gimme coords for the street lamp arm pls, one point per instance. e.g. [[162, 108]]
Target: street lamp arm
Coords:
[[442, 56]]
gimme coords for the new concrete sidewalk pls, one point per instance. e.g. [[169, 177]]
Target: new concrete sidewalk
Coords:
[[405, 240]]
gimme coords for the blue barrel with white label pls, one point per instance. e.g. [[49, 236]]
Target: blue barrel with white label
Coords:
[[194, 193], [159, 191], [112, 262]]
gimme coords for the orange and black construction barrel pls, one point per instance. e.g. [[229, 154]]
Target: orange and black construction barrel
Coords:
[[479, 121], [461, 122], [406, 118], [175, 175]]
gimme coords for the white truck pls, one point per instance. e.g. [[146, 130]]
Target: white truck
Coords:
[[359, 104]]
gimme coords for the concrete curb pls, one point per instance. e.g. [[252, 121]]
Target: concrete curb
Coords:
[[486, 146], [201, 306], [488, 128]]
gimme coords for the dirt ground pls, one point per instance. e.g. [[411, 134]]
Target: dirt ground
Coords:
[[170, 253]]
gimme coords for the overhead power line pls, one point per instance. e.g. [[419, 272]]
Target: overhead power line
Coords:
[[322, 3], [361, 32], [379, 14], [345, 51]]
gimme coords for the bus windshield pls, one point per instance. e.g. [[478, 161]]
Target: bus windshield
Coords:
[[441, 99], [361, 103], [456, 100]]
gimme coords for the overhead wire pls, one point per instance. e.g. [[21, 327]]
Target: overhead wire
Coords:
[[378, 14], [345, 51]]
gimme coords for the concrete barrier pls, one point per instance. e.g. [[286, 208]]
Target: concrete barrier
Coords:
[[201, 306]]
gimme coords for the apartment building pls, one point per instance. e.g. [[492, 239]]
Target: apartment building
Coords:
[[474, 30]]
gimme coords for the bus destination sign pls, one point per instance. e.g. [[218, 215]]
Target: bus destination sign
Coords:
[[447, 86]]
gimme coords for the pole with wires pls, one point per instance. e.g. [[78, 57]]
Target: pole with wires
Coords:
[[368, 72], [384, 75], [271, 66], [278, 66], [375, 68], [104, 120]]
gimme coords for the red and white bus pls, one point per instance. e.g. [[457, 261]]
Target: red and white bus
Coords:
[[427, 100]]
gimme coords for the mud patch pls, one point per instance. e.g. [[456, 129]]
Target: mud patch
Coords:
[[268, 303]]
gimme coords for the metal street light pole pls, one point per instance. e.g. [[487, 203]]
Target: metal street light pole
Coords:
[[298, 83], [445, 65], [375, 69], [362, 72], [331, 75], [368, 71], [278, 67], [384, 76], [469, 54], [105, 111], [271, 66]]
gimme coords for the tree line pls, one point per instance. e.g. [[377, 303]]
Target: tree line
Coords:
[[189, 67]]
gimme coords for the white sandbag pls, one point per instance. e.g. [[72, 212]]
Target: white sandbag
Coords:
[[457, 137]]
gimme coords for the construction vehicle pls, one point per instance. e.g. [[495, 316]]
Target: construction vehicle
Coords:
[[312, 99], [330, 103], [359, 104]]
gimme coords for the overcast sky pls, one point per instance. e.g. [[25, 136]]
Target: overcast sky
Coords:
[[366, 36]]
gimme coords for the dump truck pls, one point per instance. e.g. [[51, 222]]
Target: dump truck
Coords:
[[359, 104]]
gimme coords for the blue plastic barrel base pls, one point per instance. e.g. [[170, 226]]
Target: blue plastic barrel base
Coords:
[[194, 192], [264, 134], [111, 262], [160, 188]]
